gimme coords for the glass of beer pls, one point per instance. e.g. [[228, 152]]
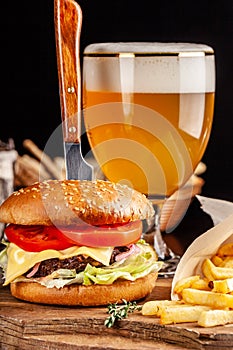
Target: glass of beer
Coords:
[[148, 111]]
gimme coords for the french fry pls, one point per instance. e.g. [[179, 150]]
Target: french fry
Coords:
[[155, 307], [181, 314], [217, 260], [202, 284], [207, 268], [208, 298], [220, 273], [213, 272], [185, 283], [213, 318], [227, 262], [225, 250], [222, 286]]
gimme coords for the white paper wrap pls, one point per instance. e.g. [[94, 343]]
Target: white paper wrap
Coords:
[[207, 244]]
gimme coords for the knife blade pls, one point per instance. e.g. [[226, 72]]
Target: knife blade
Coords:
[[68, 22]]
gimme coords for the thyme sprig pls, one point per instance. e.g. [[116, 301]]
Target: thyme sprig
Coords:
[[118, 312]]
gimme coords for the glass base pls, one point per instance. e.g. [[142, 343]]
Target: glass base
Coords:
[[153, 236], [169, 267]]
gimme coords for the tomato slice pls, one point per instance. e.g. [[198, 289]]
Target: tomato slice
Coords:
[[105, 235], [35, 238]]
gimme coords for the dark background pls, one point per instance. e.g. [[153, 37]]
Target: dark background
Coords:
[[29, 74]]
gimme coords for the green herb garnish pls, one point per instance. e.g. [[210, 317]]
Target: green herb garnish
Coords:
[[118, 312]]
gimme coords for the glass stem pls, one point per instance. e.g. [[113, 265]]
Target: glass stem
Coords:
[[163, 251], [153, 233]]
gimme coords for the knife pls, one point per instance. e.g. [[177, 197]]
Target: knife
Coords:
[[68, 22]]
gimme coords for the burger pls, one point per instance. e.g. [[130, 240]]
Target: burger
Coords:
[[77, 242]]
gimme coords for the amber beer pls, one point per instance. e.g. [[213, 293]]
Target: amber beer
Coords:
[[148, 110]]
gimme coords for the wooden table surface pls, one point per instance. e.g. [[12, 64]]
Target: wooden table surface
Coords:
[[32, 326]]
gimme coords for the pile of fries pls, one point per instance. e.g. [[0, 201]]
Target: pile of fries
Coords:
[[207, 299]]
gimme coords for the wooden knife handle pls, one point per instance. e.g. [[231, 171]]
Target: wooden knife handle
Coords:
[[68, 22]]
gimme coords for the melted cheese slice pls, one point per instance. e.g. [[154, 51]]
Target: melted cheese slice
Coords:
[[20, 261]]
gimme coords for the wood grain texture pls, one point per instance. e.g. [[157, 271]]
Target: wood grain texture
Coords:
[[31, 326], [68, 21]]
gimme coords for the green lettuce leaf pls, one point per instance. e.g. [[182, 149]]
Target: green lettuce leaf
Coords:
[[3, 256], [131, 269]]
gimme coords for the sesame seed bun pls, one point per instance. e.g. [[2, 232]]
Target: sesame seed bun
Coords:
[[66, 202], [71, 202], [85, 295]]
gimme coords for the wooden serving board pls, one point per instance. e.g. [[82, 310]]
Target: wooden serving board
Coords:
[[31, 326]]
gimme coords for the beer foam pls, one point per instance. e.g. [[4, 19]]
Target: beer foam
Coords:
[[149, 67], [146, 47]]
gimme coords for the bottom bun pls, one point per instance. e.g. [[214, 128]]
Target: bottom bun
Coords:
[[93, 295]]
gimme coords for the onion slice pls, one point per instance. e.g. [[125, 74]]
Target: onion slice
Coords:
[[133, 249], [34, 270]]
